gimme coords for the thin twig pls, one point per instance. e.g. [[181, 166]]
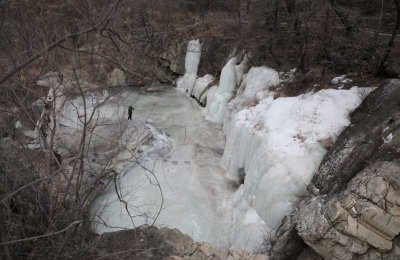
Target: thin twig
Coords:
[[41, 236]]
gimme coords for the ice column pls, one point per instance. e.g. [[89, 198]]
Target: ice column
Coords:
[[192, 60], [219, 98]]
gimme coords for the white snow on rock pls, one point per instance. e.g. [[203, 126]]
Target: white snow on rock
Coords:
[[277, 144], [288, 76], [388, 138], [192, 60], [341, 79]]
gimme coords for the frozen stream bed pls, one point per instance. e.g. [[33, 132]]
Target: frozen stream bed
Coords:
[[185, 160]]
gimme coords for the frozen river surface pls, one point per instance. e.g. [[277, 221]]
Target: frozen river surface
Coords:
[[185, 162]]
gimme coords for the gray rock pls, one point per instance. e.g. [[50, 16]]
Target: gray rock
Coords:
[[164, 243], [174, 59], [392, 68], [334, 233]]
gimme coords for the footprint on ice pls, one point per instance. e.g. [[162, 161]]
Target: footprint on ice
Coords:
[[188, 162], [174, 162]]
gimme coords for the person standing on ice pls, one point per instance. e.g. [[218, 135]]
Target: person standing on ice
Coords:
[[130, 110]]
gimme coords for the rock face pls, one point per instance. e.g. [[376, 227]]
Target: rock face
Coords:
[[351, 210], [392, 68], [116, 78], [164, 243], [173, 58], [363, 217]]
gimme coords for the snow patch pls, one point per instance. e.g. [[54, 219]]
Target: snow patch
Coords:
[[341, 79], [388, 138]]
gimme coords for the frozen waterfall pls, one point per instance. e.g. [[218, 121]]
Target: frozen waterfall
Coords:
[[232, 193]]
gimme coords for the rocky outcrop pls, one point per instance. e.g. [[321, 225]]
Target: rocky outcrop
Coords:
[[363, 142], [173, 58], [392, 67], [350, 210], [363, 217], [164, 243]]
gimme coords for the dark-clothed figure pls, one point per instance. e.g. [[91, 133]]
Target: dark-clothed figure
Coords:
[[130, 110]]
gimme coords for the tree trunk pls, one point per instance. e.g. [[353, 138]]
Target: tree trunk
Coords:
[[291, 6], [276, 12], [342, 16], [380, 68]]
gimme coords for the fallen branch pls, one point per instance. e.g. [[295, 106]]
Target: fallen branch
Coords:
[[41, 236]]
